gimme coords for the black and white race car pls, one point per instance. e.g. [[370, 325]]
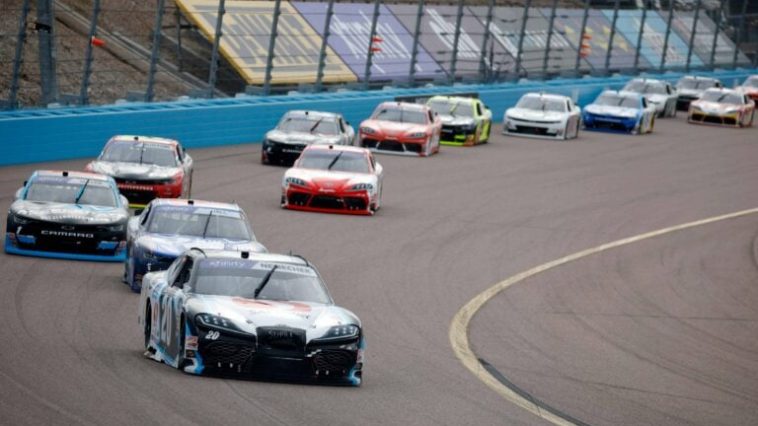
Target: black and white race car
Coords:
[[256, 314], [298, 129]]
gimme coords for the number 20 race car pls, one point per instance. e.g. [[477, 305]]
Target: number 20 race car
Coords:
[[240, 313]]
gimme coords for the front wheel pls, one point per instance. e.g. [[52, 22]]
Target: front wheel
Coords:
[[148, 325]]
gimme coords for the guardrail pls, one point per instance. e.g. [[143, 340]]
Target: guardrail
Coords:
[[65, 133]]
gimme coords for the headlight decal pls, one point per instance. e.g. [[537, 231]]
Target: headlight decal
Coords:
[[294, 181], [362, 186]]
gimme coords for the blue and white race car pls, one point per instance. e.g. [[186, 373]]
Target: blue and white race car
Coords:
[[620, 111], [168, 227]]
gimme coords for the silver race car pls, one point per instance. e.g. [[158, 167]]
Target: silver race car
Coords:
[[691, 87], [661, 94], [251, 314], [543, 115], [298, 129]]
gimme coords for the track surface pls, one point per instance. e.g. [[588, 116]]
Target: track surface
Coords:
[[658, 333]]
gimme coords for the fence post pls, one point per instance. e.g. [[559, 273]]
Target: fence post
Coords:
[[370, 53], [157, 30], [550, 27], [456, 39], [666, 37], [524, 17], [717, 23], [178, 16], [485, 40], [18, 56], [324, 45], [740, 30], [45, 26], [414, 49], [213, 74], [611, 36], [83, 95], [581, 35], [692, 35], [639, 38], [271, 47]]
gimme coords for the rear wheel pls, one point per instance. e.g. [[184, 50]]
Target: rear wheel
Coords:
[[148, 325]]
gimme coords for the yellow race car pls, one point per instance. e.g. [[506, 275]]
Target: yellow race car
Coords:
[[465, 121]]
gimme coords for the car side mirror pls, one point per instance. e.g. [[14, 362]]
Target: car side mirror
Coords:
[[20, 192]]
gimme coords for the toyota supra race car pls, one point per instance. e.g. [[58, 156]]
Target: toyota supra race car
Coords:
[[620, 111], [750, 87], [167, 227], [465, 121], [69, 215], [690, 88], [726, 107], [298, 129], [145, 168], [248, 314], [543, 115], [334, 179], [660, 93], [402, 128]]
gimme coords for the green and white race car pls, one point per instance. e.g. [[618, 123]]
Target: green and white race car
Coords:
[[465, 121]]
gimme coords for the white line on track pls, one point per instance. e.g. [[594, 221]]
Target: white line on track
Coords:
[[459, 327]]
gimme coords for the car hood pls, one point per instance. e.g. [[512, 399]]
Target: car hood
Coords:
[[452, 120], [615, 111], [133, 171], [248, 314], [301, 138], [393, 128], [79, 214], [328, 180], [715, 107], [174, 245], [534, 115], [690, 92], [657, 98]]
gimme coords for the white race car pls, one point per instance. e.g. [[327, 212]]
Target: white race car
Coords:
[[543, 115], [661, 94]]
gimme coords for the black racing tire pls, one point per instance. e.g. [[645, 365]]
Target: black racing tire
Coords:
[[189, 189], [148, 325]]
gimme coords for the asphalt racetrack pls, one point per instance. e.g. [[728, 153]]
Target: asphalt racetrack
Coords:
[[659, 332]]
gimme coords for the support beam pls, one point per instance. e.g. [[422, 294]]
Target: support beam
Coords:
[[324, 44], [156, 50], [45, 26]]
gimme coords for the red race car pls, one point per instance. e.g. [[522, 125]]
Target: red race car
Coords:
[[750, 87], [402, 128], [146, 167]]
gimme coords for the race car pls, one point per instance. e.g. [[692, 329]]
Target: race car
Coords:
[[402, 128], [543, 115], [690, 87], [660, 93], [146, 167], [168, 227], [620, 111], [723, 106], [298, 129], [249, 314], [465, 121], [68, 215], [750, 87], [334, 179]]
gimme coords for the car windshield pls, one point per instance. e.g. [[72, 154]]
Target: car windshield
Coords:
[[721, 97], [751, 82], [454, 108], [539, 103], [72, 191], [322, 126], [139, 152], [240, 278], [612, 99], [699, 84], [646, 87], [400, 115], [201, 222], [334, 160]]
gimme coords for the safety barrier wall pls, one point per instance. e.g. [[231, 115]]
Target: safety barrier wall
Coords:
[[65, 133]]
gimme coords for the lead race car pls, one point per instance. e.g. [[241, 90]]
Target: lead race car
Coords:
[[334, 179], [146, 167], [167, 227], [69, 215], [298, 129], [465, 121], [543, 115], [726, 107], [620, 111], [250, 314], [660, 93], [401, 128]]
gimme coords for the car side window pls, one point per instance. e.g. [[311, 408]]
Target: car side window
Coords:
[[478, 108], [144, 216], [179, 153], [174, 269], [431, 117], [183, 276], [343, 128], [644, 103], [373, 161]]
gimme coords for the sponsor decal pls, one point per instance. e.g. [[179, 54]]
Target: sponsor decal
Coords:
[[67, 234], [212, 335], [262, 305], [190, 343], [134, 187]]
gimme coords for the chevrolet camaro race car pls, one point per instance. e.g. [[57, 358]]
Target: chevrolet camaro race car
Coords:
[[167, 227], [401, 128], [620, 111], [465, 121], [298, 129], [660, 93], [334, 179], [69, 215], [750, 87], [258, 315], [543, 115], [723, 106], [146, 167], [690, 87]]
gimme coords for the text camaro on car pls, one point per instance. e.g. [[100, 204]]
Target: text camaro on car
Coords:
[[70, 215], [543, 115], [298, 129], [167, 227], [146, 167], [240, 313], [620, 111], [401, 128], [465, 121]]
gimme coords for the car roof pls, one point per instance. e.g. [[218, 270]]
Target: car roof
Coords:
[[405, 105], [648, 80], [723, 90], [347, 148], [461, 99], [195, 203], [142, 139], [315, 114], [72, 174], [546, 96], [697, 77], [623, 93], [251, 256]]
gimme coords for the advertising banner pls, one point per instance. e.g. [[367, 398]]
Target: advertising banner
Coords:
[[682, 24], [246, 34], [349, 37]]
